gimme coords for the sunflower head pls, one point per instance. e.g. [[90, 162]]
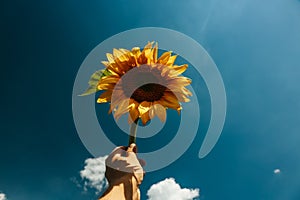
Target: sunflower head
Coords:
[[141, 84]]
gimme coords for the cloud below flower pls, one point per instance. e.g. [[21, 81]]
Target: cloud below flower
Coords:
[[168, 189], [93, 174], [93, 177], [2, 196]]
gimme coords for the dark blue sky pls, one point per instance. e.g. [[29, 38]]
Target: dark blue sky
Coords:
[[255, 44]]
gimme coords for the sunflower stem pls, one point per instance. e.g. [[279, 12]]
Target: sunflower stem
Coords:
[[133, 128]]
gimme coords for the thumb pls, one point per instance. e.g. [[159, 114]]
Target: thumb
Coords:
[[132, 148]]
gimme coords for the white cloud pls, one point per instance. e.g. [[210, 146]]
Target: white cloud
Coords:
[[93, 174], [93, 177], [2, 196], [277, 171], [168, 189]]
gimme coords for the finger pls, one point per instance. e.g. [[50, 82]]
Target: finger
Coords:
[[118, 149], [132, 148], [123, 148], [116, 154]]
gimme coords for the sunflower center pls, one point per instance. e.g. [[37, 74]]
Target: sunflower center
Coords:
[[144, 84], [149, 92]]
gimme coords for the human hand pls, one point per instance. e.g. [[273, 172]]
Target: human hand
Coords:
[[123, 163], [124, 173]]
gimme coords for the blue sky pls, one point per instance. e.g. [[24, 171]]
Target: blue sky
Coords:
[[255, 44]]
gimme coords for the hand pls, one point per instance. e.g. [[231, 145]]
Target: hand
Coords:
[[124, 173], [123, 163]]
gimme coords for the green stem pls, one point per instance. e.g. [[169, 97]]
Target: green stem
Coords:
[[133, 128]]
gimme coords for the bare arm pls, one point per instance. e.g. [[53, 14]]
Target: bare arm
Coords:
[[124, 174]]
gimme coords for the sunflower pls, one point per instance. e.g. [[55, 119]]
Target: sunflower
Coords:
[[141, 83]]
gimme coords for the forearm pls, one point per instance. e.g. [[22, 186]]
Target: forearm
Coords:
[[114, 192], [125, 190]]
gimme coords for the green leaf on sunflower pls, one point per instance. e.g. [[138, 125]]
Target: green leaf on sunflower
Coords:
[[94, 80]]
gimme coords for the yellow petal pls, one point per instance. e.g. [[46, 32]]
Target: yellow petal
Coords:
[[117, 53], [155, 52], [177, 70], [171, 60], [106, 86], [117, 98], [123, 107], [105, 97], [133, 114], [144, 107], [123, 67], [135, 54], [151, 112], [165, 71], [149, 56], [132, 60], [178, 82], [186, 92], [180, 90], [181, 97], [145, 118], [115, 68], [109, 79], [110, 58], [120, 56], [169, 96], [142, 60], [148, 45], [179, 110], [160, 111], [124, 51], [110, 110], [112, 72], [136, 51], [174, 105], [163, 59], [105, 63], [148, 53], [145, 57]]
